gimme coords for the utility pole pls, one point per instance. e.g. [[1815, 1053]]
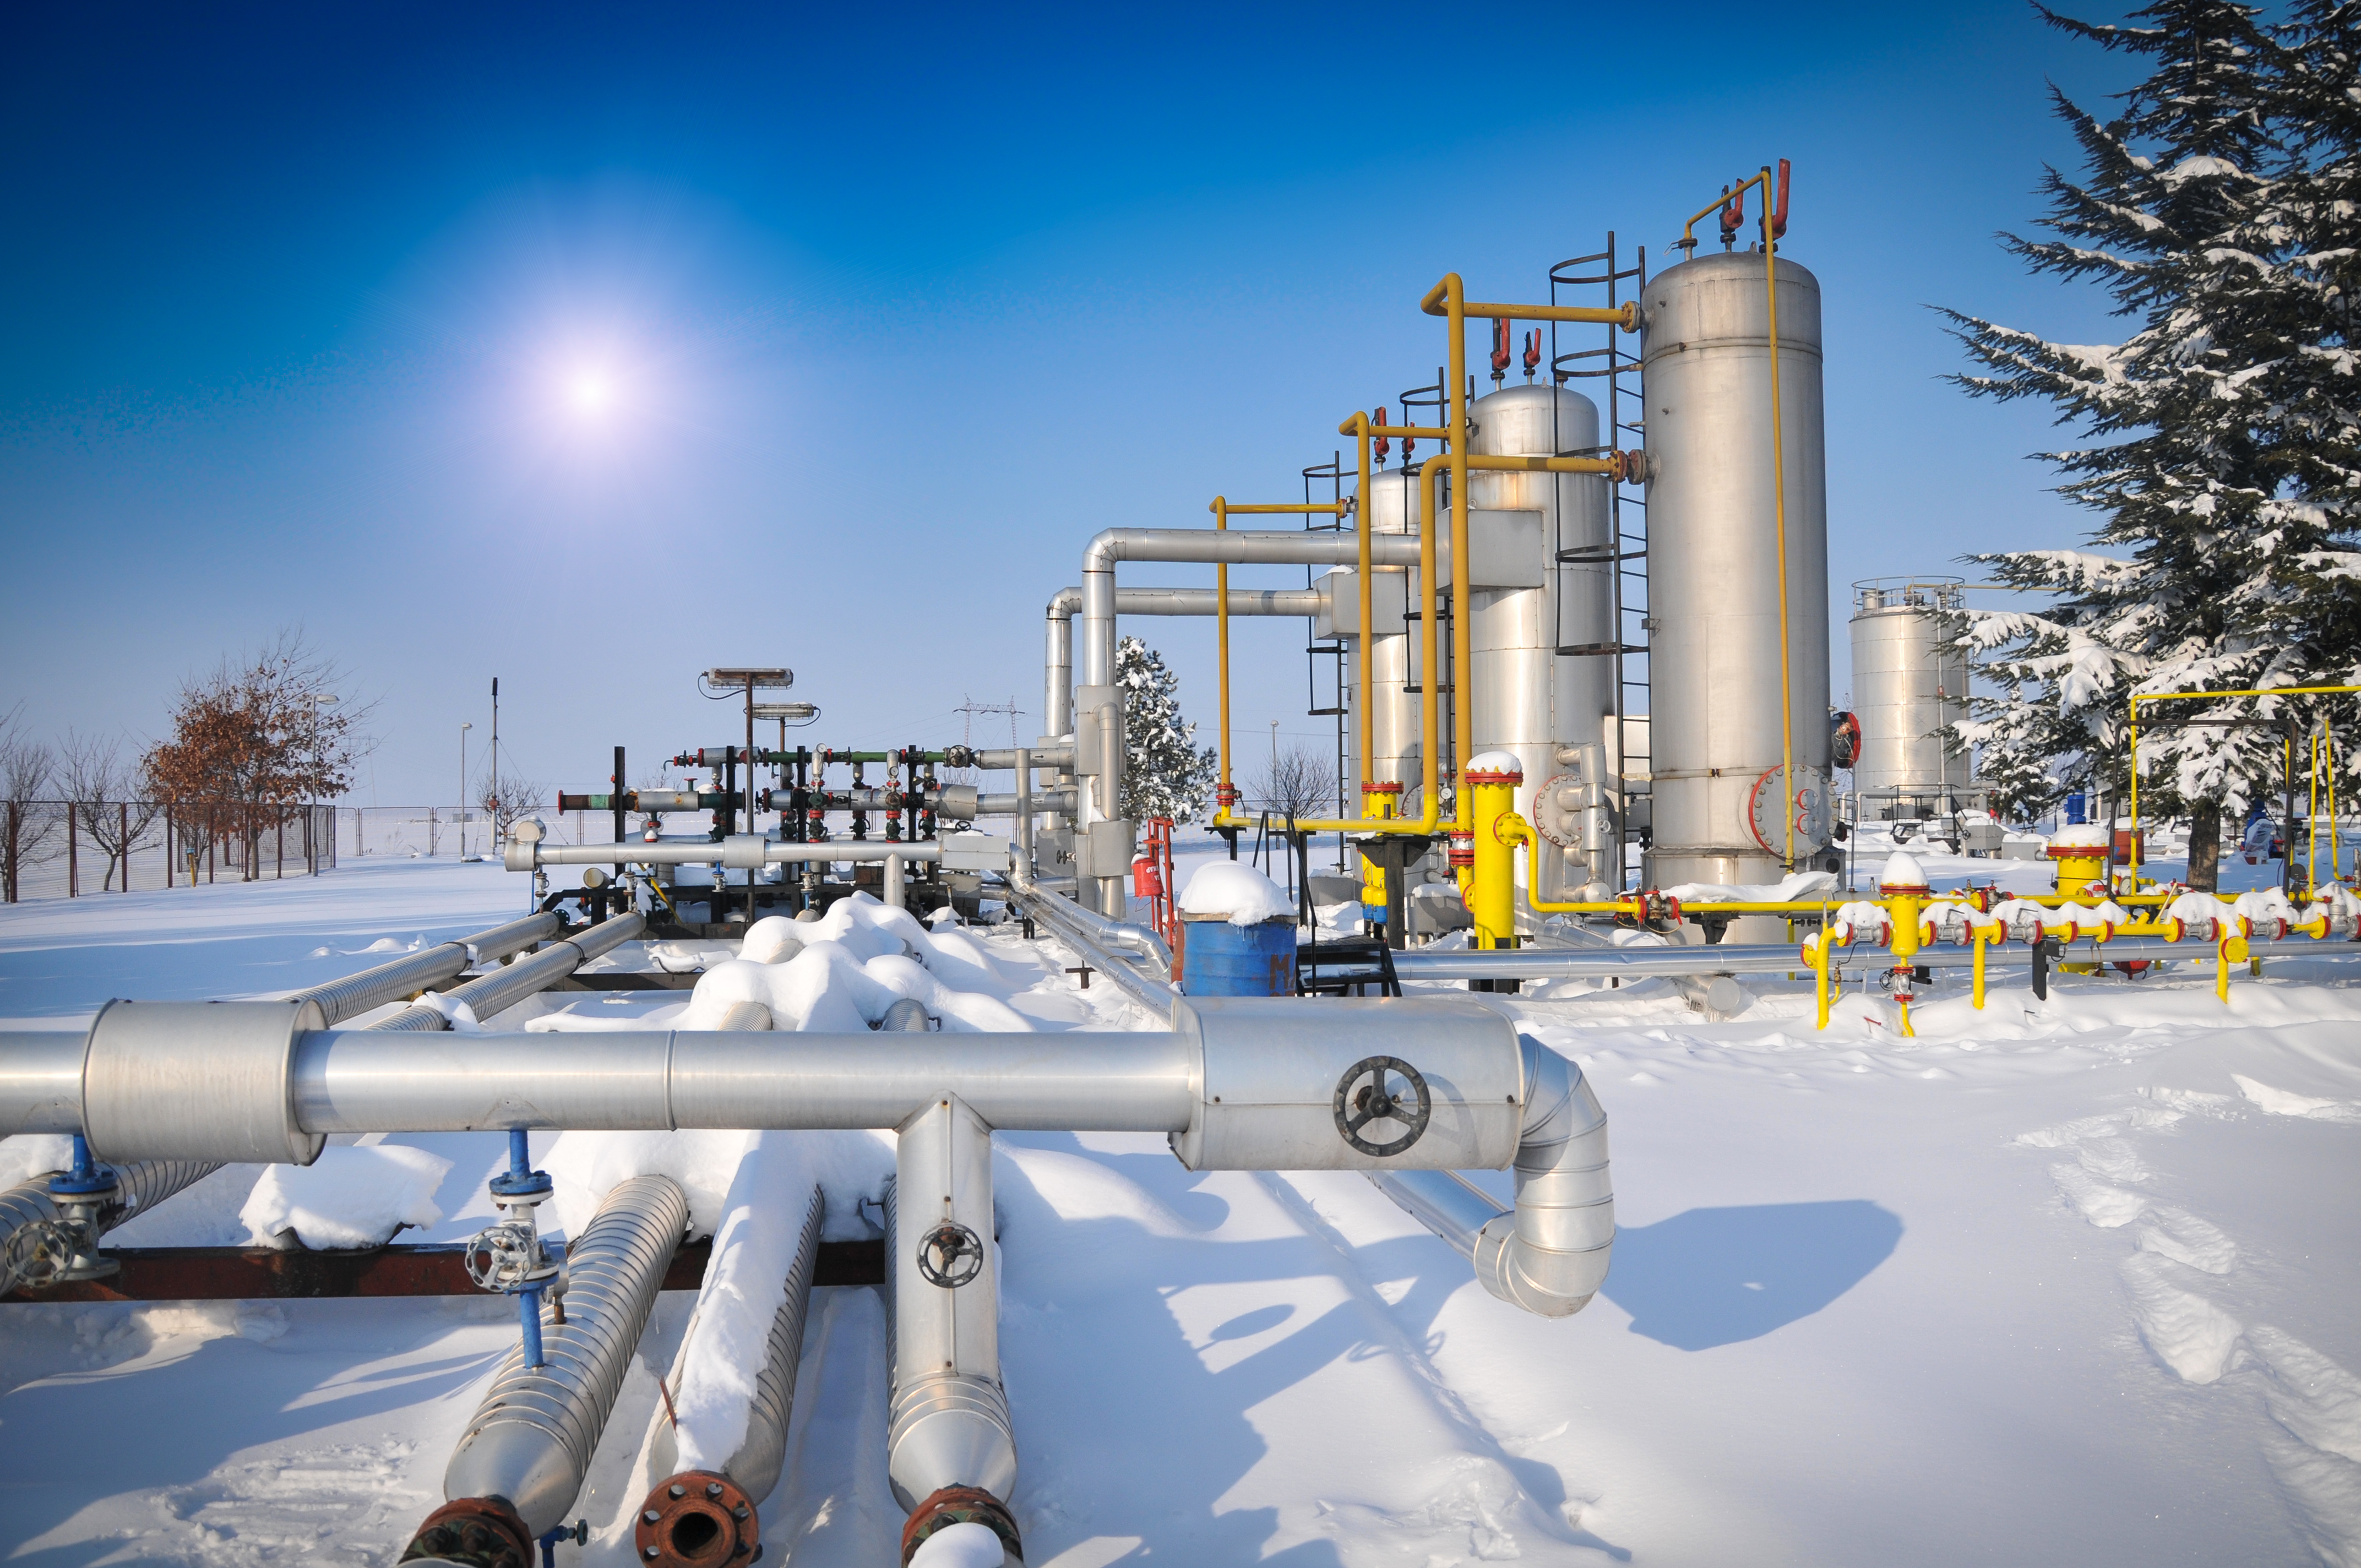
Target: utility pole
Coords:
[[492, 802]]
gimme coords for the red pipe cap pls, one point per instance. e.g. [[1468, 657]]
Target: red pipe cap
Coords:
[[697, 1520]]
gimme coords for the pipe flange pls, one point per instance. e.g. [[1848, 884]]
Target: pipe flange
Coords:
[[959, 1505], [1359, 1103], [483, 1532], [697, 1520]]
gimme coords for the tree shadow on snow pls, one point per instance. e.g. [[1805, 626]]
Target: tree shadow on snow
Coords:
[[1716, 1276]]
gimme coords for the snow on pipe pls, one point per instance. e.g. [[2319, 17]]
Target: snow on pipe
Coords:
[[505, 987], [951, 1452], [1549, 1254], [705, 1511], [413, 972], [740, 851], [518, 1469]]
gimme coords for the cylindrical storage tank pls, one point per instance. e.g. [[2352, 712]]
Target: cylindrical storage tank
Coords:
[[1391, 507], [1219, 958], [1722, 808], [1528, 699], [1908, 682]]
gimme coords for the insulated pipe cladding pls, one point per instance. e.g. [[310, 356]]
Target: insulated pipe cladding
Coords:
[[708, 1516], [505, 987], [519, 1468], [1391, 508], [1722, 808], [951, 1452]]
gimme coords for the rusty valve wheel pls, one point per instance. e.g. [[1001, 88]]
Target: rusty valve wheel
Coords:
[[949, 1255], [1363, 1097]]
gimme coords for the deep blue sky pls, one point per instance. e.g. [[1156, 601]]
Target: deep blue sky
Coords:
[[893, 310]]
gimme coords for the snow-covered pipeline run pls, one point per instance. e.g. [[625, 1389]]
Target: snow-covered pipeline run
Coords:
[[793, 1046]]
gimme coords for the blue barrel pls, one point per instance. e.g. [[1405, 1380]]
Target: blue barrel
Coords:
[[1222, 959]]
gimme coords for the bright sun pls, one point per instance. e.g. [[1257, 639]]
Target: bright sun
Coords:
[[592, 393]]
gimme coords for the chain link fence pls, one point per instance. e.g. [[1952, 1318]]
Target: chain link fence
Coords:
[[56, 849]]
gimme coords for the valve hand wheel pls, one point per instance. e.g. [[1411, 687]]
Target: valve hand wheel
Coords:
[[949, 1255], [1382, 1089]]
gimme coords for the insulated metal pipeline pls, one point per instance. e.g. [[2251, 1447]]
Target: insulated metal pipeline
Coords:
[[533, 857], [31, 1246], [700, 1517], [1133, 957], [29, 1242], [362, 1081], [1549, 1254], [409, 975], [511, 984], [1778, 958], [529, 1441]]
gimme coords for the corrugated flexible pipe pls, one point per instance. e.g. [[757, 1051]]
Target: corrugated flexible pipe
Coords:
[[511, 984], [516, 1473], [709, 1513], [1549, 1254], [413, 972]]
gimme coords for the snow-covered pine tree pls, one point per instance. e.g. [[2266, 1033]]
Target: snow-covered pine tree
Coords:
[[2224, 511], [1164, 775]]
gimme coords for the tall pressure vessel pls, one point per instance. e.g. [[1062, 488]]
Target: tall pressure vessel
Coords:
[[1908, 682], [1390, 507], [1525, 604], [1721, 808]]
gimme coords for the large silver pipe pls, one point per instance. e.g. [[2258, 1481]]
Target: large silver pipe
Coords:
[[529, 1441], [353, 1080], [948, 1419], [1003, 759], [1057, 669], [511, 984], [1550, 1254], [1133, 957], [737, 852], [409, 975], [686, 1520]]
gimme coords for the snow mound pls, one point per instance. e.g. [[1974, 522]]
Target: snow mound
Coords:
[[1900, 872], [352, 1195], [963, 1545], [771, 940], [1788, 889], [1239, 894]]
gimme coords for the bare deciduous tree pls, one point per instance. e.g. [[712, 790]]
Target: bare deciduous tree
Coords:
[[1298, 781], [513, 800], [27, 824], [98, 789]]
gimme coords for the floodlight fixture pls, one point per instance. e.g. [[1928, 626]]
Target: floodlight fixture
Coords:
[[793, 712], [772, 677]]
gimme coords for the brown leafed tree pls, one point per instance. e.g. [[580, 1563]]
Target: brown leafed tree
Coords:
[[255, 738]]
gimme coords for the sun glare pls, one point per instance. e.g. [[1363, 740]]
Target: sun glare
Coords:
[[590, 393]]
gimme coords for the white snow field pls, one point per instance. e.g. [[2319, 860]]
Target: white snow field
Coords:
[[2061, 1282]]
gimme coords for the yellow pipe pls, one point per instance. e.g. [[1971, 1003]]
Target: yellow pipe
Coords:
[[2140, 697], [1431, 816], [1221, 508]]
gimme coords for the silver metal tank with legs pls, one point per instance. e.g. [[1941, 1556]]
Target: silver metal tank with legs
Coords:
[[1528, 700], [1908, 682], [1721, 811]]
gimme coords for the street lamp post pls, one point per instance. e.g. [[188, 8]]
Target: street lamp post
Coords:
[[463, 789]]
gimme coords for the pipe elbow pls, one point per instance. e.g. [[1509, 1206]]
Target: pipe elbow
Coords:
[[1064, 603], [1103, 549], [1551, 1254]]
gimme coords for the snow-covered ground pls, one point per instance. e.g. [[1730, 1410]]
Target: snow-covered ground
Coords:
[[2062, 1282]]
